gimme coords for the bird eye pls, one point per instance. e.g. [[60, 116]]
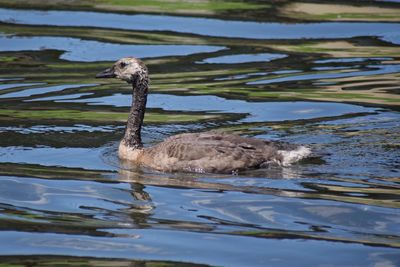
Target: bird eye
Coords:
[[122, 64]]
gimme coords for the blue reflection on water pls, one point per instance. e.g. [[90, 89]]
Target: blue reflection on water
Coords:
[[43, 90], [14, 85], [243, 58], [50, 156], [258, 111], [89, 51], [203, 26], [375, 70], [221, 250]]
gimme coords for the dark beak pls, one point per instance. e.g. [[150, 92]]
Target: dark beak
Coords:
[[107, 73]]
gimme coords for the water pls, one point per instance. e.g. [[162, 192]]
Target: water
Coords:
[[202, 26], [67, 200], [81, 50]]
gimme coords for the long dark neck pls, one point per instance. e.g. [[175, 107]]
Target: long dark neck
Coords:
[[132, 136]]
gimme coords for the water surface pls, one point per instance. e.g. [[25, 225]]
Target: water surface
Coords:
[[67, 200], [202, 26]]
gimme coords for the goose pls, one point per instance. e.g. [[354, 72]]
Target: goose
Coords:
[[203, 152]]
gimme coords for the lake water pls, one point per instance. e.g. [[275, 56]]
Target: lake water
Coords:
[[67, 200]]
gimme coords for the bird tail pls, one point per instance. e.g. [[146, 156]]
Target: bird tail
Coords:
[[292, 156]]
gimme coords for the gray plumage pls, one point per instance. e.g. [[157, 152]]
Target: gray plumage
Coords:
[[206, 152]]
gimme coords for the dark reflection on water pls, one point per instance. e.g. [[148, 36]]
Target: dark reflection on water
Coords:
[[66, 199]]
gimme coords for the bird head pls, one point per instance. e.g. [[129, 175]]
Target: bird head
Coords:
[[129, 69]]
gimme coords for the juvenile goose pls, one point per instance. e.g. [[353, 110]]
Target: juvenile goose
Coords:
[[206, 152]]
